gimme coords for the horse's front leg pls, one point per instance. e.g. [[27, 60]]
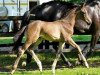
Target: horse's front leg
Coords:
[[61, 45], [94, 40], [87, 52], [63, 57], [72, 43]]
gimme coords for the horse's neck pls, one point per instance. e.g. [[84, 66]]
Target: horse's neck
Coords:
[[70, 18], [93, 9], [90, 11]]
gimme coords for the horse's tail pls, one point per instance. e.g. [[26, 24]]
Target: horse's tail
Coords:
[[25, 21], [19, 33], [26, 17], [18, 38]]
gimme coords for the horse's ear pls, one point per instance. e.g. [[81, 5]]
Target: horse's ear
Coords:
[[81, 6], [84, 3]]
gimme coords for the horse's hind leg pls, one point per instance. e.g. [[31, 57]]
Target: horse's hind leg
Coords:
[[72, 43], [93, 43], [31, 51], [61, 44], [30, 39], [20, 53], [36, 59], [66, 61]]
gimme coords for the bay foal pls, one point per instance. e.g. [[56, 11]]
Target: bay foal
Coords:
[[60, 30]]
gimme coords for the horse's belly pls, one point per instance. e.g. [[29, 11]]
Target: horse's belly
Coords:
[[50, 38], [51, 31]]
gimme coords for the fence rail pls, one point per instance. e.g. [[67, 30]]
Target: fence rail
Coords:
[[43, 45], [8, 18]]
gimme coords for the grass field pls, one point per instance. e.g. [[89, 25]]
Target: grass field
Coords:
[[75, 71], [7, 60]]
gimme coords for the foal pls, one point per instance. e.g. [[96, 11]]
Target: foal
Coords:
[[60, 30]]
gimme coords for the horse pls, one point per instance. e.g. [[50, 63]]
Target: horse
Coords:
[[93, 10], [50, 11], [60, 31], [81, 26]]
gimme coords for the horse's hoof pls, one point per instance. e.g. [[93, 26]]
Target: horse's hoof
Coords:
[[11, 73], [87, 65], [71, 66], [79, 62]]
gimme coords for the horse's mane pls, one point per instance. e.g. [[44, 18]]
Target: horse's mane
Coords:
[[67, 15], [92, 2], [59, 2], [69, 4]]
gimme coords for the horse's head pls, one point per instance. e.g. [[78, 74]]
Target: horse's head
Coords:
[[82, 11], [86, 15]]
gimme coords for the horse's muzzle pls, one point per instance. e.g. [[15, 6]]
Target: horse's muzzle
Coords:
[[88, 20]]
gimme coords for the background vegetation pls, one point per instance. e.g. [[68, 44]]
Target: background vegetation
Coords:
[[73, 1]]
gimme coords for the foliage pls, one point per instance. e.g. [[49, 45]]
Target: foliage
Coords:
[[73, 1]]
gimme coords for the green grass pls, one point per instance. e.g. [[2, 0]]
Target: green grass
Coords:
[[78, 38], [7, 60], [65, 71]]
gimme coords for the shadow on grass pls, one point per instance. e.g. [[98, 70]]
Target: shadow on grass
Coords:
[[7, 60]]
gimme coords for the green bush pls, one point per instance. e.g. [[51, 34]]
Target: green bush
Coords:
[[72, 1]]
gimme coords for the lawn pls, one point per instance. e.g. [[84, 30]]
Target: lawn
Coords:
[[65, 71], [7, 60]]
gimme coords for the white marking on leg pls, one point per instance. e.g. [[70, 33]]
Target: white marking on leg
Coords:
[[37, 60], [71, 42], [61, 45]]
